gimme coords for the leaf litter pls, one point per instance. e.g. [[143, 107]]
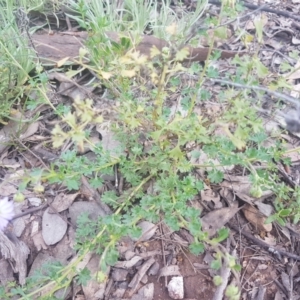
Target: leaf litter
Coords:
[[48, 236]]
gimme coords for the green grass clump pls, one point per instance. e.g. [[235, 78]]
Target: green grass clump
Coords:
[[17, 56]]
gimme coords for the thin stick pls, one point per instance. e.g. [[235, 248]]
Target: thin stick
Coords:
[[258, 88], [263, 244]]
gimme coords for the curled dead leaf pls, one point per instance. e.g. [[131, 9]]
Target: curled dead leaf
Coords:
[[256, 218]]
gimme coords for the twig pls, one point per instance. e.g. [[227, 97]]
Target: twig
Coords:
[[263, 244], [30, 211], [286, 177], [163, 252], [266, 9], [32, 153], [239, 18], [258, 88], [281, 287]]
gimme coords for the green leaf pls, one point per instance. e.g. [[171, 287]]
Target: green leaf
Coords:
[[195, 154], [84, 276], [271, 219], [296, 218], [222, 235], [197, 248], [259, 137], [294, 54], [125, 42], [256, 191], [212, 72], [172, 221], [221, 32], [176, 153], [182, 54], [285, 67], [280, 221], [232, 292], [237, 267], [216, 264], [217, 280], [261, 70], [72, 184], [194, 227], [111, 256], [96, 182], [216, 54], [285, 212], [215, 176]]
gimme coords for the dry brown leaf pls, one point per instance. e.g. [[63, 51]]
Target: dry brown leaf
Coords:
[[265, 209], [274, 44], [10, 163], [128, 264], [11, 129], [62, 62], [241, 186], [204, 160], [270, 240], [285, 279], [52, 48], [140, 274], [256, 218], [210, 195], [31, 130], [216, 219], [7, 189], [148, 230], [62, 202], [6, 272]]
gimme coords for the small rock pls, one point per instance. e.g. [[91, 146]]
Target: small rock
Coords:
[[129, 255], [119, 274], [19, 226], [175, 288], [35, 201], [154, 269], [53, 228], [145, 293]]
